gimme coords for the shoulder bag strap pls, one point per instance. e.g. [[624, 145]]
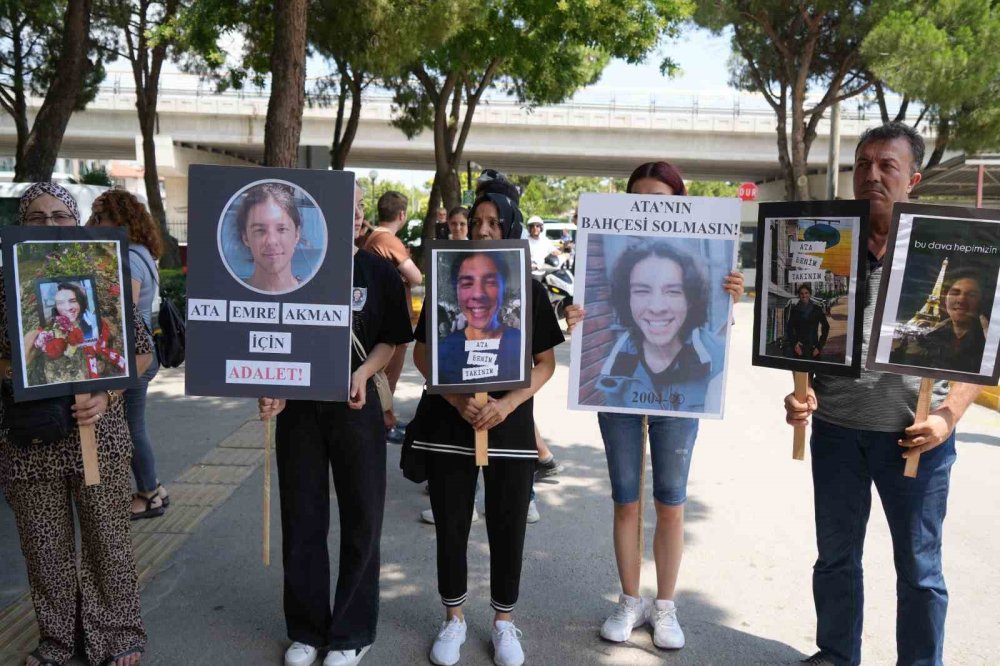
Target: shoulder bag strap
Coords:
[[153, 272]]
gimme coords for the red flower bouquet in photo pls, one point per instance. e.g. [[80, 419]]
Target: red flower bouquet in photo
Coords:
[[55, 348]]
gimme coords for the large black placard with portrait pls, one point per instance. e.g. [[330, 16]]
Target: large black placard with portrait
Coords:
[[270, 263]]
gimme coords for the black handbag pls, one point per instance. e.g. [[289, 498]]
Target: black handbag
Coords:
[[170, 334], [35, 422]]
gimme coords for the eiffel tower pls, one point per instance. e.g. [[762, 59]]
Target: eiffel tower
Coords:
[[929, 316]]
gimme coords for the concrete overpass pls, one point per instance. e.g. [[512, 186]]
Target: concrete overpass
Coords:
[[723, 139]]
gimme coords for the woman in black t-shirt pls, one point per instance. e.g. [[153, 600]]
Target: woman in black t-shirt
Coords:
[[447, 427], [349, 439]]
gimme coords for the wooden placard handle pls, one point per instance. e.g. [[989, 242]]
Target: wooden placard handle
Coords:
[[482, 436], [923, 409], [801, 394], [88, 449], [267, 493]]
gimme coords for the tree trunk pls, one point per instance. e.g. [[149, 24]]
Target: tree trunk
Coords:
[[940, 142], [430, 217], [784, 161], [42, 145], [344, 141], [283, 126], [800, 152]]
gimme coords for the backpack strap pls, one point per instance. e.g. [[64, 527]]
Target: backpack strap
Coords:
[[152, 271]]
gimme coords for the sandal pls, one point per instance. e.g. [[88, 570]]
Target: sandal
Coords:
[[164, 497], [110, 661], [43, 661], [150, 510]]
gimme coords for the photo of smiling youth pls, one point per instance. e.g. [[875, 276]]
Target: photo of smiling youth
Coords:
[[479, 321], [272, 237]]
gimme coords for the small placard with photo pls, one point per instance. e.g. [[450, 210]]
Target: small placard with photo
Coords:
[[69, 310], [479, 333], [938, 310], [808, 313]]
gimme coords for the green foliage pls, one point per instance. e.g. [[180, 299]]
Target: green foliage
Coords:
[[712, 188], [551, 197], [173, 282], [98, 176], [417, 198], [939, 52], [537, 51], [30, 41]]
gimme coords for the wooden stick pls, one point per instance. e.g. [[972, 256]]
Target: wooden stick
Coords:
[[88, 449], [482, 436], [642, 487], [267, 493], [801, 394], [923, 409]]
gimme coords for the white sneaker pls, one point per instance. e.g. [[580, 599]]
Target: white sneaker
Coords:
[[449, 641], [667, 632], [631, 612], [300, 654], [533, 515], [345, 657], [507, 644], [427, 515]]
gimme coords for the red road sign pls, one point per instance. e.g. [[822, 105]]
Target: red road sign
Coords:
[[748, 191]]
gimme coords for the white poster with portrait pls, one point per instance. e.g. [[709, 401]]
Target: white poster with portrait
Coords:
[[649, 273]]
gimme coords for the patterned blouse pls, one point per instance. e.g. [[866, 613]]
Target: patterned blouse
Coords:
[[47, 462]]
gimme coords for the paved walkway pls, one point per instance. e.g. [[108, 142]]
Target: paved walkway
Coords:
[[744, 594]]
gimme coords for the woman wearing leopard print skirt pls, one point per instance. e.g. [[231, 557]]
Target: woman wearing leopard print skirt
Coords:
[[44, 485]]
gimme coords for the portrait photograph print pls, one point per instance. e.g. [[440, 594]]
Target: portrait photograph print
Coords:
[[810, 263], [479, 333], [269, 282], [656, 332], [272, 236], [69, 289], [938, 312]]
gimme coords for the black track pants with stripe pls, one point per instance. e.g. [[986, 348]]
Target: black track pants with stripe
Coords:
[[452, 479]]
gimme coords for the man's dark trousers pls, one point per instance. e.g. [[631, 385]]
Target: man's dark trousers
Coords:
[[312, 438], [845, 462]]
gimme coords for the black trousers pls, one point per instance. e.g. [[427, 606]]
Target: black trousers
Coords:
[[452, 480], [313, 437]]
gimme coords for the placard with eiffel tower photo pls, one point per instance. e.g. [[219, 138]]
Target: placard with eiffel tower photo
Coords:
[[938, 309]]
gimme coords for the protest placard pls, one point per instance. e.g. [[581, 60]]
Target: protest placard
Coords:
[[479, 332], [269, 282], [649, 273], [810, 263], [69, 305], [938, 310]]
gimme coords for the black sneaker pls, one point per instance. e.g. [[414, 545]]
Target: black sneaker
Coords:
[[547, 468], [821, 658]]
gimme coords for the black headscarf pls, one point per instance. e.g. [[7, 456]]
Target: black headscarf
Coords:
[[511, 220]]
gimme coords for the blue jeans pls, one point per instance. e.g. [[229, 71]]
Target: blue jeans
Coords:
[[845, 462], [671, 441], [143, 461]]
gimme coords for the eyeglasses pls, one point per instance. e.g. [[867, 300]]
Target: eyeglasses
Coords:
[[58, 218]]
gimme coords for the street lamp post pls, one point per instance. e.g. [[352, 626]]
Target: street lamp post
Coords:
[[373, 176]]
